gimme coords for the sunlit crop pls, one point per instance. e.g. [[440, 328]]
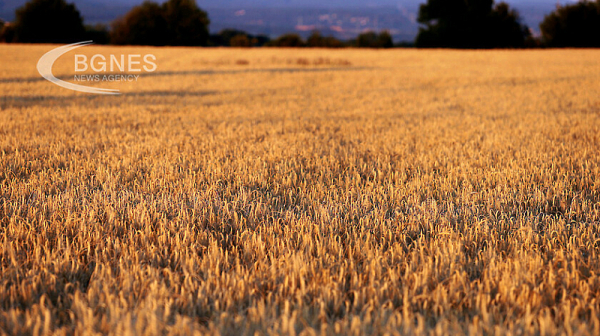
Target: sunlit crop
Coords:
[[349, 192]]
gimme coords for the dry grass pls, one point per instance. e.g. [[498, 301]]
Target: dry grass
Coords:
[[384, 192]]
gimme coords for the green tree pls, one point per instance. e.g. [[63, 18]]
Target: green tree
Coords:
[[366, 40], [98, 33], [384, 40], [187, 24], [576, 25], [233, 37], [7, 32], [47, 21], [142, 25], [316, 40], [176, 22], [470, 24], [223, 38], [373, 40], [240, 41], [288, 40]]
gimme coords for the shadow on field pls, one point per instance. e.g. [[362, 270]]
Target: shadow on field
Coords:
[[37, 100], [58, 100], [198, 73]]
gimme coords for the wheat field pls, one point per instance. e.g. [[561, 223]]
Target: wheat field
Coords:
[[303, 192]]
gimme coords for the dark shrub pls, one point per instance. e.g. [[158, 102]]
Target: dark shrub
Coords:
[[47, 21], [576, 25]]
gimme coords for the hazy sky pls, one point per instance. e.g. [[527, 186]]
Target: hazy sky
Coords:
[[532, 11], [321, 3], [280, 3]]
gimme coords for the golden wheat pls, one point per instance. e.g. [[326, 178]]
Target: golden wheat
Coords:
[[305, 192]]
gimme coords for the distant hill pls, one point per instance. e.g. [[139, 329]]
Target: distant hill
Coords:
[[342, 18]]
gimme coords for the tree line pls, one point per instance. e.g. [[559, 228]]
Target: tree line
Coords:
[[443, 24]]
